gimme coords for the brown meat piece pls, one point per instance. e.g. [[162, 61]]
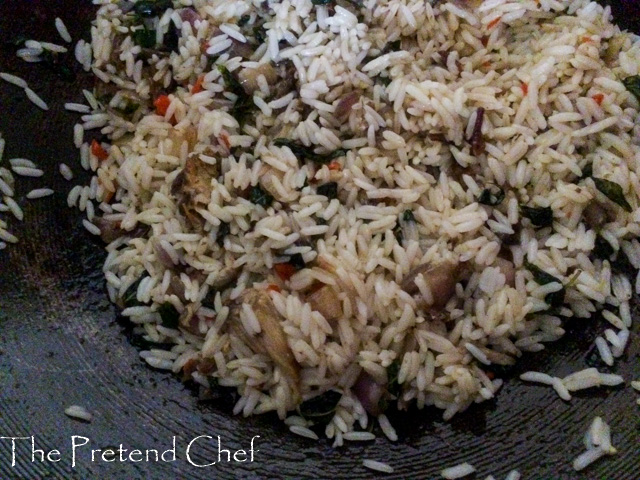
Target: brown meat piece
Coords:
[[271, 340], [192, 188]]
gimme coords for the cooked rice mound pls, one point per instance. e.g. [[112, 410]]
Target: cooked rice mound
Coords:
[[389, 201]]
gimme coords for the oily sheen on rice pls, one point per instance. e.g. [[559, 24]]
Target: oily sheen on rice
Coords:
[[416, 135]]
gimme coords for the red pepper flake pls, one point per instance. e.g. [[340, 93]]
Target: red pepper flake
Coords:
[[493, 23], [486, 64], [484, 40], [598, 97], [490, 375], [525, 88], [274, 288], [98, 151], [204, 46], [108, 196], [197, 87], [284, 270], [335, 166], [586, 39], [162, 104], [224, 139]]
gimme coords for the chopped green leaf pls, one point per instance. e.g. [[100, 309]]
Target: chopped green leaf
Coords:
[[540, 276], [408, 216], [613, 192], [384, 81], [554, 299], [602, 249], [492, 196], [398, 233], [260, 197], [587, 171], [393, 387], [223, 230], [322, 2], [633, 85], [145, 38], [151, 8], [329, 190], [297, 261], [169, 315], [230, 81], [244, 103], [539, 216], [244, 19], [130, 297], [307, 153], [171, 39], [322, 407]]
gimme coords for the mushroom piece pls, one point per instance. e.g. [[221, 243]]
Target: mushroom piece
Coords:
[[248, 77], [325, 300], [441, 280], [111, 230], [596, 215], [271, 340], [192, 187], [345, 104]]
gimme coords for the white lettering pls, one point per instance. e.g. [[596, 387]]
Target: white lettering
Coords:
[[187, 452], [75, 445], [13, 447]]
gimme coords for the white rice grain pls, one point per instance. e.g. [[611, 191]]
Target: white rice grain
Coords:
[[39, 193], [13, 79], [78, 412], [62, 30], [35, 99], [458, 471], [377, 466]]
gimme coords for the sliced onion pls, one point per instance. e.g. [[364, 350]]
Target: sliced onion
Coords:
[[369, 392]]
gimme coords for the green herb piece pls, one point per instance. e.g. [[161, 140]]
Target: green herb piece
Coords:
[[393, 46], [169, 315], [260, 34], [587, 171], [171, 39], [408, 216], [130, 297], [393, 387], [539, 216], [307, 153], [384, 81], [633, 85], [554, 299], [223, 230], [602, 248], [398, 233], [244, 103], [613, 192], [322, 2], [260, 197], [320, 408], [492, 196], [151, 8], [329, 190], [244, 19], [297, 261], [145, 38], [540, 276]]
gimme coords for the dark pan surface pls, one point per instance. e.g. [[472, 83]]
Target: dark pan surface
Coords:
[[61, 344]]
